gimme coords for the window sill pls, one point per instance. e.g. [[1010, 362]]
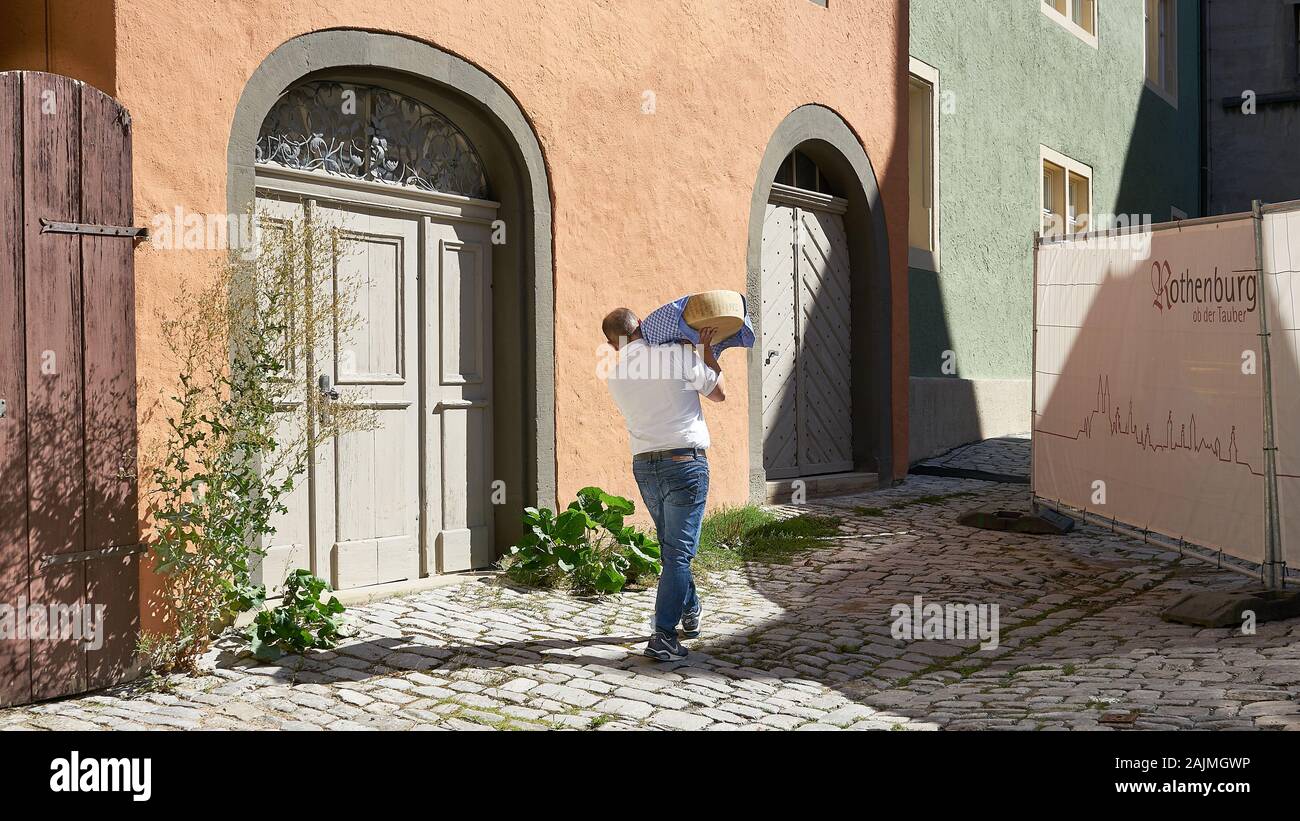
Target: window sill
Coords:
[[923, 260], [1167, 96], [1068, 24]]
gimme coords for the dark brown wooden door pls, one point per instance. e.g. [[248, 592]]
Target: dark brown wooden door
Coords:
[[68, 493]]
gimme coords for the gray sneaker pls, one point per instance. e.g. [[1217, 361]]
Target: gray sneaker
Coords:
[[665, 648], [691, 624]]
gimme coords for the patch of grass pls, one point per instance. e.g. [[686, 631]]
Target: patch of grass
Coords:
[[722, 533], [869, 511], [733, 536]]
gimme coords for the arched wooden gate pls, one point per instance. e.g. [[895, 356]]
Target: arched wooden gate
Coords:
[[69, 536]]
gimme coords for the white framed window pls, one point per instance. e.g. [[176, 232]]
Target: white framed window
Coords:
[[923, 166], [1160, 48], [1066, 205], [1079, 17]]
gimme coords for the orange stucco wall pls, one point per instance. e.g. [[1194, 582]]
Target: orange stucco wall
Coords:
[[70, 37], [647, 207]]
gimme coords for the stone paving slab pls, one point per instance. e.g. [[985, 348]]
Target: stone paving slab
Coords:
[[806, 645], [1006, 455]]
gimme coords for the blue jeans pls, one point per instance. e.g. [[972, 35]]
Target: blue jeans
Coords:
[[674, 493]]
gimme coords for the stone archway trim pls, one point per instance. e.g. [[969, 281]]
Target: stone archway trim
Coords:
[[339, 48], [814, 123]]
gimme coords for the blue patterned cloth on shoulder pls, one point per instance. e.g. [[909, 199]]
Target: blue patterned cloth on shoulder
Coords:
[[666, 325]]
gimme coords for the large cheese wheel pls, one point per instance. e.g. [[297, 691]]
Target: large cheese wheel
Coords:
[[724, 310]]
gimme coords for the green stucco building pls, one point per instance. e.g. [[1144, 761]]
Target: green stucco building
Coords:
[[1029, 115]]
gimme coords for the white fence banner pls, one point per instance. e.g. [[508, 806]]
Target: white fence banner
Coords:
[[1148, 387], [1281, 249]]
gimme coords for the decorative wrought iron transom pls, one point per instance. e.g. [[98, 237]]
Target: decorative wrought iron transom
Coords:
[[369, 133]]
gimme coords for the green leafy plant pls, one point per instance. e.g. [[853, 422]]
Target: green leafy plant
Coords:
[[588, 546], [304, 620], [242, 420], [158, 653]]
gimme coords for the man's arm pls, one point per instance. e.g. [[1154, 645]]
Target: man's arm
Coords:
[[719, 392]]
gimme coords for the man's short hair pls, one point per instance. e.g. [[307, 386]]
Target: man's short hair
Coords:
[[619, 322]]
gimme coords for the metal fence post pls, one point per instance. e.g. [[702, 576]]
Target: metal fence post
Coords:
[[1033, 372], [1273, 567]]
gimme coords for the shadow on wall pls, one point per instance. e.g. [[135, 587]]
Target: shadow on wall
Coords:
[[943, 408], [1162, 156], [1159, 171]]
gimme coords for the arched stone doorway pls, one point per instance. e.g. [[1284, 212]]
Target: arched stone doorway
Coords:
[[820, 388], [457, 157]]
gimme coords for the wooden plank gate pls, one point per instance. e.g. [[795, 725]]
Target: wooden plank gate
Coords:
[[69, 533]]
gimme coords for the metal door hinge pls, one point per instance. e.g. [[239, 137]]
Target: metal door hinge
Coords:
[[49, 226], [87, 555]]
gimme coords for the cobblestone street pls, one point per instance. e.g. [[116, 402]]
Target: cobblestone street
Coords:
[[800, 646]]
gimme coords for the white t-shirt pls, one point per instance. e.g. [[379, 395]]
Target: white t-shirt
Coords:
[[658, 388]]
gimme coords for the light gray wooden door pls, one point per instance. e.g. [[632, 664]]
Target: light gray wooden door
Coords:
[[780, 343], [458, 373], [290, 546], [807, 335], [411, 495], [824, 379], [366, 485]]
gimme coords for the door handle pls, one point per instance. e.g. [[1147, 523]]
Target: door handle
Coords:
[[767, 360], [326, 390]]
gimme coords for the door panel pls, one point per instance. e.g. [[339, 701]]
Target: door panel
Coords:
[[370, 515], [15, 567], [824, 404], [68, 451], [779, 351], [409, 496], [807, 362], [458, 473], [53, 306], [289, 547], [463, 288]]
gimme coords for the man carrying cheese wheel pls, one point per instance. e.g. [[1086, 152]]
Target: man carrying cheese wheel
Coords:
[[658, 390]]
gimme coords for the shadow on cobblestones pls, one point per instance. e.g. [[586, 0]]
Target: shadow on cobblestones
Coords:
[[1079, 627], [800, 645], [1078, 616]]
